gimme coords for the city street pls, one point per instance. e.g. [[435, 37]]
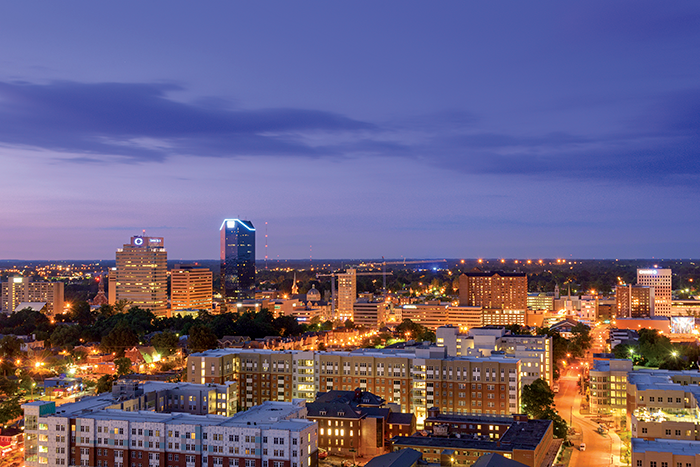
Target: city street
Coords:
[[599, 447]]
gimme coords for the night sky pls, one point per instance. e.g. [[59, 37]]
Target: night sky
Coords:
[[354, 129]]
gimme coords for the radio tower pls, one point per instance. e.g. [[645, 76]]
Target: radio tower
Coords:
[[265, 245]]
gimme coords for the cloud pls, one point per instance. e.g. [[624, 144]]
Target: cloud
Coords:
[[139, 121], [104, 122]]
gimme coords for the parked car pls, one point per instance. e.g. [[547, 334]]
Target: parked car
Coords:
[[582, 447]]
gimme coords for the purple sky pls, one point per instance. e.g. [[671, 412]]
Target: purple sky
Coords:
[[362, 129]]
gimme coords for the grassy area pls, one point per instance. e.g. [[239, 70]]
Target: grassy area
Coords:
[[565, 456]]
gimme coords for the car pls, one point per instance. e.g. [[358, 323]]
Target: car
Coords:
[[582, 447]]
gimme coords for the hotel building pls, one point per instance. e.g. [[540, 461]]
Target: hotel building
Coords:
[[19, 289], [141, 275]]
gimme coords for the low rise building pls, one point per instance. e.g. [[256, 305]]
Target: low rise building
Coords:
[[665, 453], [467, 438]]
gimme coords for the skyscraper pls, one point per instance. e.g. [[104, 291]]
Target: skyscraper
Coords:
[[237, 259], [141, 275]]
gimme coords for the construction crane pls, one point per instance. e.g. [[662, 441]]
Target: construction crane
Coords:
[[393, 263], [333, 275]]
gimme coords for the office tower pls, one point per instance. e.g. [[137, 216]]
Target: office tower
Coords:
[[20, 289], [498, 290], [347, 294], [634, 301], [660, 279], [237, 259], [190, 288], [369, 314], [141, 274]]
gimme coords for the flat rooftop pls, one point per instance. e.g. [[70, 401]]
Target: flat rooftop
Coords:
[[520, 435], [674, 446]]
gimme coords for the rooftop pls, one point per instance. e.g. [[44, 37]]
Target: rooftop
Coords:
[[520, 435], [401, 458], [677, 447]]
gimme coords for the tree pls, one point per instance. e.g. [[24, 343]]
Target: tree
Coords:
[[123, 366], [65, 336], [538, 400], [10, 347], [119, 339], [104, 384], [349, 324], [537, 397], [581, 340], [81, 314], [10, 409], [165, 343], [201, 338]]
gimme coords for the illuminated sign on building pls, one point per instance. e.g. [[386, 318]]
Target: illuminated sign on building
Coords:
[[648, 271]]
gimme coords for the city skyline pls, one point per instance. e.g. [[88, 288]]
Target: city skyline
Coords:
[[454, 130]]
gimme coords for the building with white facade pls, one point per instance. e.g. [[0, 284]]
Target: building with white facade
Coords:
[[274, 434]]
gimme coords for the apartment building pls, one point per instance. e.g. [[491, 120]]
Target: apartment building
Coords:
[[608, 386], [275, 434], [664, 404], [414, 379], [468, 438], [534, 352]]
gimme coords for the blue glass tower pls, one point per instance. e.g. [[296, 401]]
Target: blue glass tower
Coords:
[[237, 259]]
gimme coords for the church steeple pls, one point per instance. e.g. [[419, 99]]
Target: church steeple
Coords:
[[295, 288]]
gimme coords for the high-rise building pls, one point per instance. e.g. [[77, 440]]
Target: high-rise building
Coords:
[[141, 275], [634, 301], [347, 294], [660, 279], [237, 259], [499, 290], [190, 288], [20, 289]]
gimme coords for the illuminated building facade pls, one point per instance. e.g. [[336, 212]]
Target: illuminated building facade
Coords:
[[660, 280], [141, 275], [496, 290], [347, 294], [237, 259], [634, 301], [20, 289], [369, 314], [414, 379], [190, 288]]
